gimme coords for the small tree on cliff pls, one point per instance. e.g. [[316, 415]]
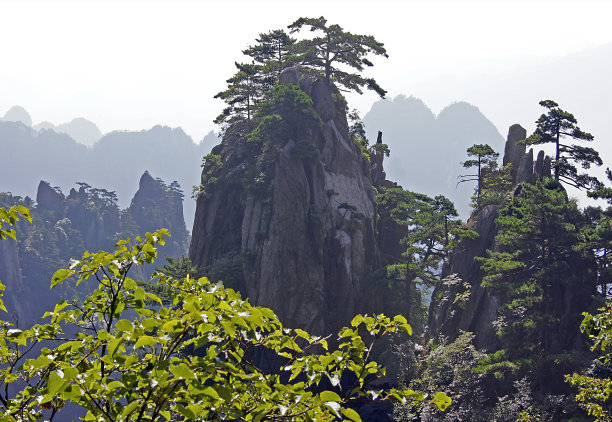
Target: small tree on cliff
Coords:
[[485, 160], [338, 47], [431, 230], [553, 127], [244, 91]]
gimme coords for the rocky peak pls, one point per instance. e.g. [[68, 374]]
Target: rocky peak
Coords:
[[48, 198], [514, 151], [303, 243], [155, 206]]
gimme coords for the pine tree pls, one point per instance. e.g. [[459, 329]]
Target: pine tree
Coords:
[[243, 92], [273, 53], [338, 47], [555, 126], [485, 160]]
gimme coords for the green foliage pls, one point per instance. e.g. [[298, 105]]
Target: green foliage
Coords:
[[535, 261], [357, 133], [244, 91], [336, 50], [430, 229], [9, 218], [593, 395], [596, 242], [447, 366], [211, 163], [594, 391], [603, 192], [555, 126], [495, 186], [295, 109], [117, 358]]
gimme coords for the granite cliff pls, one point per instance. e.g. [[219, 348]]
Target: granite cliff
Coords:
[[293, 230]]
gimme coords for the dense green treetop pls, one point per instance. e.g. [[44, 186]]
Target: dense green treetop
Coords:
[[337, 56], [337, 47], [244, 91]]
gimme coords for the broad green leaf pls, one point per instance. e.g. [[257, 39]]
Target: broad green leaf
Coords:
[[145, 341], [358, 319], [182, 371], [60, 275], [55, 383], [124, 325], [351, 414], [335, 407], [329, 396], [185, 411], [441, 400], [406, 328], [400, 319], [211, 392], [113, 385], [129, 409]]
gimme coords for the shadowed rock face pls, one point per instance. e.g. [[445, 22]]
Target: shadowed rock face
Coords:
[[306, 245], [10, 275], [48, 198], [155, 207], [514, 152]]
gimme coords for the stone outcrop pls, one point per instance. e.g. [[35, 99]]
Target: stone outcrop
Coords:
[[48, 198], [446, 318], [304, 242], [514, 152], [525, 168], [156, 206]]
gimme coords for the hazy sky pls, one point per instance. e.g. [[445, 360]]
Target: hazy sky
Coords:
[[134, 64]]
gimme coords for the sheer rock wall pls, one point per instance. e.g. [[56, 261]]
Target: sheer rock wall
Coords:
[[305, 247]]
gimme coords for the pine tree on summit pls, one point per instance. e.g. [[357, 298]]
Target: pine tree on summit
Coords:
[[553, 127], [338, 47]]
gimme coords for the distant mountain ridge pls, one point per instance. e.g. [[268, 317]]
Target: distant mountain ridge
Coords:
[[80, 129], [427, 150], [115, 162]]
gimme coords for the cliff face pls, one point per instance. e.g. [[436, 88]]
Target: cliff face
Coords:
[[10, 275], [305, 246]]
